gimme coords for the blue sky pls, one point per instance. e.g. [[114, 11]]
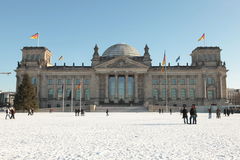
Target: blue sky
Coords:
[[71, 28]]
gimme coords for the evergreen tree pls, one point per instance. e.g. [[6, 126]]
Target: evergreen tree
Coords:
[[26, 95]]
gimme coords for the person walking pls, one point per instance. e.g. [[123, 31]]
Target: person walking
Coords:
[[193, 115], [185, 116], [107, 113], [12, 111], [170, 111], [225, 111], [75, 112], [82, 112], [159, 110], [228, 112], [218, 113], [209, 113], [7, 113]]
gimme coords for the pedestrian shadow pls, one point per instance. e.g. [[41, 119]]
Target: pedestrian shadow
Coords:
[[160, 124]]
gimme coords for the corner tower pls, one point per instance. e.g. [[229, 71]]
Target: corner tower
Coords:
[[36, 56]]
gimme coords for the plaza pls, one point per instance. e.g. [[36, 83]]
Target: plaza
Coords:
[[120, 136]]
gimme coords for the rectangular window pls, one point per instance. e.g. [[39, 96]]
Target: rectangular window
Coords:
[[50, 93], [155, 94], [183, 93], [210, 80], [78, 92], [163, 93], [155, 81], [210, 94], [174, 81], [192, 93], [192, 81], [68, 82], [173, 93], [59, 81], [86, 81], [182, 81], [77, 81], [163, 82], [87, 94], [50, 81], [34, 80]]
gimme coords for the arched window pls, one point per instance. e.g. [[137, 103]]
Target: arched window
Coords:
[[50, 93]]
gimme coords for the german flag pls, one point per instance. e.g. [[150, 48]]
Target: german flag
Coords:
[[35, 36], [202, 37], [163, 62]]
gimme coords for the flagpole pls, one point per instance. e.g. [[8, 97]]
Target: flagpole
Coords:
[[166, 86], [72, 97], [38, 39], [81, 95], [63, 97]]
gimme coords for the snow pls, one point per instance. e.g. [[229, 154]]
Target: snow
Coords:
[[120, 136]]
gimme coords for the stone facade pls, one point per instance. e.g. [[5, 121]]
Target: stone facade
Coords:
[[122, 76]]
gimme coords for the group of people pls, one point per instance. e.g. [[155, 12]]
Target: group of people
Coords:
[[10, 113], [77, 111], [193, 115], [226, 112]]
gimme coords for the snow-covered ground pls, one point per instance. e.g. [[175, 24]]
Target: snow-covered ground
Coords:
[[124, 136]]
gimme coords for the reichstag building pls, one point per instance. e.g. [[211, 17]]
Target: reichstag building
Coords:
[[121, 75]]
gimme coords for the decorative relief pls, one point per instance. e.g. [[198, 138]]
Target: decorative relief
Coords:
[[122, 64]]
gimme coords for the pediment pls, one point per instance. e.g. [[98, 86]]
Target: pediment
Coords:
[[121, 62]]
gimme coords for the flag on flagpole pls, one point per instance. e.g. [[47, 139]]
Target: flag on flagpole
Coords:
[[35, 36], [202, 37], [178, 59], [163, 62], [60, 58]]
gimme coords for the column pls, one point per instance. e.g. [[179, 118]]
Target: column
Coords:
[[220, 87], [205, 87], [126, 88], [106, 89], [116, 89], [136, 88]]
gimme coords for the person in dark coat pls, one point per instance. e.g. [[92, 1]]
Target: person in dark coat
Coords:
[[193, 115], [107, 113], [209, 113], [185, 116], [12, 112], [231, 110], [78, 111], [218, 113], [82, 112], [159, 110], [75, 112], [170, 110], [228, 112], [225, 111], [7, 113]]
